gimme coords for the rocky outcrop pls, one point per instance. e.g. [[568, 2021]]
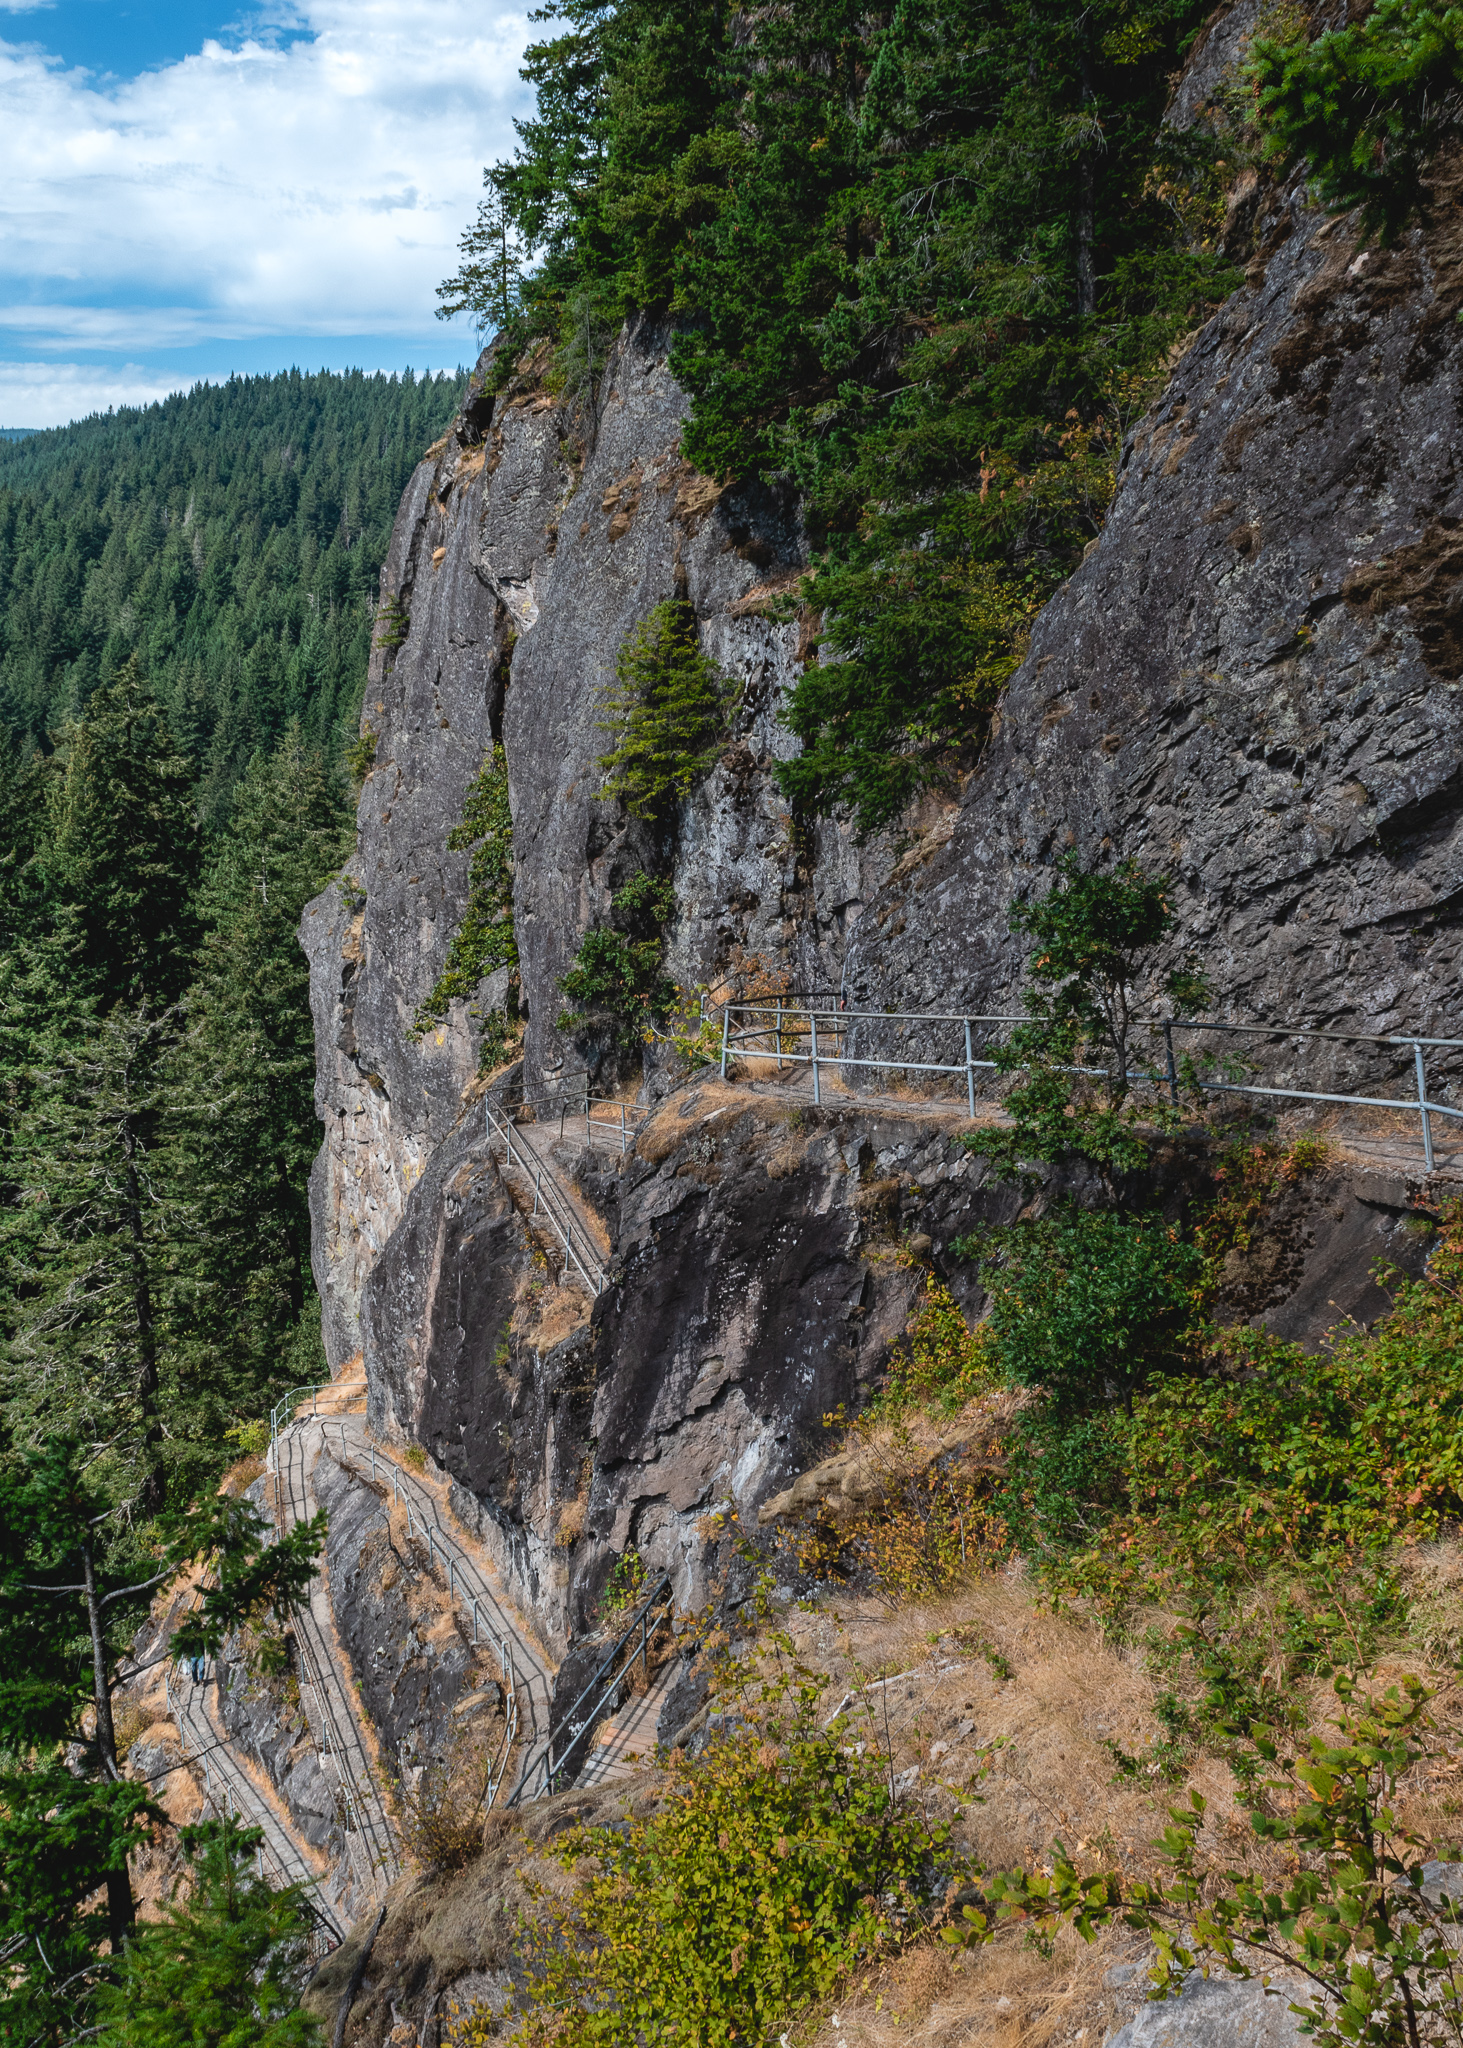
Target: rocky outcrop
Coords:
[[1254, 678], [405, 1641], [530, 542]]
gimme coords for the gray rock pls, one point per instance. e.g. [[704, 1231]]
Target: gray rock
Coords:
[[1213, 2012], [1253, 680]]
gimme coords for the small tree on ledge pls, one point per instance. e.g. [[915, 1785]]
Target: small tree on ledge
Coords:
[[1091, 977]]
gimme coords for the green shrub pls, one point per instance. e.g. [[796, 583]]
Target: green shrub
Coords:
[[360, 755], [1090, 1305], [485, 938], [616, 977], [773, 1866], [1091, 972], [1367, 107], [669, 713]]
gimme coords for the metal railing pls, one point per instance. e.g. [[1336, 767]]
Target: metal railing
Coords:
[[786, 1034], [454, 1555], [609, 1675], [550, 1203], [326, 1932]]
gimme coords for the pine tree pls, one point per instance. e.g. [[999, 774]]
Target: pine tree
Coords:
[[248, 1066], [125, 847]]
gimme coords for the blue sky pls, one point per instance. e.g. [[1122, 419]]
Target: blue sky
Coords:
[[187, 191]]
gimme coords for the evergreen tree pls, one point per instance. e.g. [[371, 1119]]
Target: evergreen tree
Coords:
[[216, 1971], [125, 847], [248, 1068], [75, 1580]]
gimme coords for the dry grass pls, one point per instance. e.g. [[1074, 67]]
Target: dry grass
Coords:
[[1006, 1993]]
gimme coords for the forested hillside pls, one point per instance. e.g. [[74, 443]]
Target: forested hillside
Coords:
[[229, 538]]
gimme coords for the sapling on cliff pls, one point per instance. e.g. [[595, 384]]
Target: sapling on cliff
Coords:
[[1353, 1915], [1093, 983]]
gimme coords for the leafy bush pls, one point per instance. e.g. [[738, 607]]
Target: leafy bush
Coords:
[[1350, 1915], [1093, 967], [779, 1859], [1367, 106], [616, 976], [485, 939], [1090, 1305], [669, 712], [942, 1364]]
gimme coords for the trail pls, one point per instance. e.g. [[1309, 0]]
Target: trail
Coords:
[[229, 1787], [327, 1697], [464, 1570]]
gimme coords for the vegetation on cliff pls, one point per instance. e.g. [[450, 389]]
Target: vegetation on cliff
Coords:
[[926, 267]]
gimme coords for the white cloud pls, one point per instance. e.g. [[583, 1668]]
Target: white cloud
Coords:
[[41, 394], [314, 189]]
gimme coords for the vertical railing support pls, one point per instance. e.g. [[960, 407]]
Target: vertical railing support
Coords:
[[1173, 1072], [537, 1186], [969, 1072], [725, 1028], [1427, 1128], [813, 1021], [779, 1034], [622, 1130]]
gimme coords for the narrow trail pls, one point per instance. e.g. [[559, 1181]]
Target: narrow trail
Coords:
[[1396, 1149], [326, 1695], [229, 1787], [628, 1737], [461, 1568]]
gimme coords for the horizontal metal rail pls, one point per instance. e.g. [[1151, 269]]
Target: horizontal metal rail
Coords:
[[607, 1677], [776, 1030], [581, 1255]]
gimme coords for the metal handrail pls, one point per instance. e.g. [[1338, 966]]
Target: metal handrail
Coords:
[[550, 1202], [498, 1641], [543, 1759], [782, 1021], [325, 1921]]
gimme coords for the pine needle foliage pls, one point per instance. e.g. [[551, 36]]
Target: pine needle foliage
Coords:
[[668, 712], [1366, 106], [219, 1969], [485, 938]]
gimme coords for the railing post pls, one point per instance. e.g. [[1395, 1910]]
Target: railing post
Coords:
[[537, 1184], [451, 1577], [779, 1034], [725, 1027], [813, 1021], [622, 1130], [1173, 1072], [969, 1072], [1427, 1129]]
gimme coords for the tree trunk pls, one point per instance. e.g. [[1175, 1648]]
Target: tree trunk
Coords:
[[1086, 202], [150, 1499], [120, 1910]]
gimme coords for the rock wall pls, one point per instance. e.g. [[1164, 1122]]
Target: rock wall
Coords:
[[530, 541], [1253, 680]]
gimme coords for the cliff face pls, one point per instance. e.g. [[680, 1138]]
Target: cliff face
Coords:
[[1253, 680]]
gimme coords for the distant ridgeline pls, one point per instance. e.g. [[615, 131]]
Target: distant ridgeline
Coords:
[[230, 538]]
